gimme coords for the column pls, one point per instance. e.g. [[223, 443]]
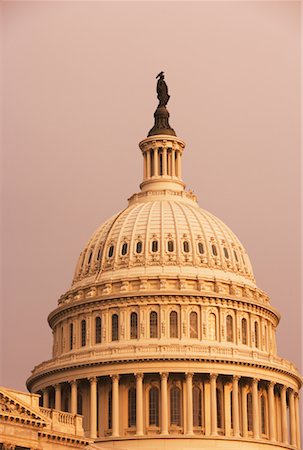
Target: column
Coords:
[[139, 404], [73, 403], [292, 417], [255, 405], [93, 407], [164, 409], [272, 411], [179, 175], [148, 164], [58, 397], [244, 412], [189, 398], [45, 398], [284, 415], [115, 408], [235, 403], [156, 156], [144, 166], [164, 161], [227, 408], [173, 165], [297, 420], [213, 403]]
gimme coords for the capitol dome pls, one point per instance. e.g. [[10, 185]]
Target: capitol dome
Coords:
[[164, 339]]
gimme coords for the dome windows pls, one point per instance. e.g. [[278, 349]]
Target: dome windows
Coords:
[[186, 246], [173, 324], [201, 248], [134, 325], [153, 325], [115, 327], [226, 254], [155, 246], [139, 247], [83, 333], [110, 251], [124, 248], [236, 256], [214, 250], [98, 329], [154, 404], [170, 246], [90, 257]]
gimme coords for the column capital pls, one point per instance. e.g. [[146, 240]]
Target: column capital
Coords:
[[236, 377], [45, 390], [255, 381], [271, 384], [73, 381], [139, 376], [57, 386], [213, 376], [189, 375], [284, 388], [164, 375], [115, 377]]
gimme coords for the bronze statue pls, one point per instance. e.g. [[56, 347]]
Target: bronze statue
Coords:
[[162, 90]]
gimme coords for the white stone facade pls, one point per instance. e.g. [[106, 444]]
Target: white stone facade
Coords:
[[164, 339]]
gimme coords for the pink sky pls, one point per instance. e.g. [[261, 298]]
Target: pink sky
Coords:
[[79, 94]]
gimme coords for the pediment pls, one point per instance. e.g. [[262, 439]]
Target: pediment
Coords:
[[14, 408]]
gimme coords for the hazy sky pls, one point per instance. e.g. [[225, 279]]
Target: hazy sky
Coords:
[[79, 94]]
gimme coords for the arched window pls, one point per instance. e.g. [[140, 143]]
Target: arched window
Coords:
[[229, 329], [225, 252], [214, 250], [173, 324], [71, 336], [154, 406], [115, 327], [197, 407], [244, 331], [170, 246], [153, 325], [110, 251], [139, 247], [99, 253], [219, 409], [98, 330], [200, 248], [263, 415], [133, 325], [110, 409], [186, 246], [212, 327], [83, 333], [154, 246], [193, 323], [257, 334], [132, 407], [249, 411], [124, 248], [90, 257], [175, 406]]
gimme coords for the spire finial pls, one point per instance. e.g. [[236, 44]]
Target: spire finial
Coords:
[[161, 114]]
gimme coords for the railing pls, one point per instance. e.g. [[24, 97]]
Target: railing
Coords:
[[63, 421], [129, 352]]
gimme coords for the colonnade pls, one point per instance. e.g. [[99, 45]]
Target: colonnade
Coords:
[[226, 410], [160, 161]]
